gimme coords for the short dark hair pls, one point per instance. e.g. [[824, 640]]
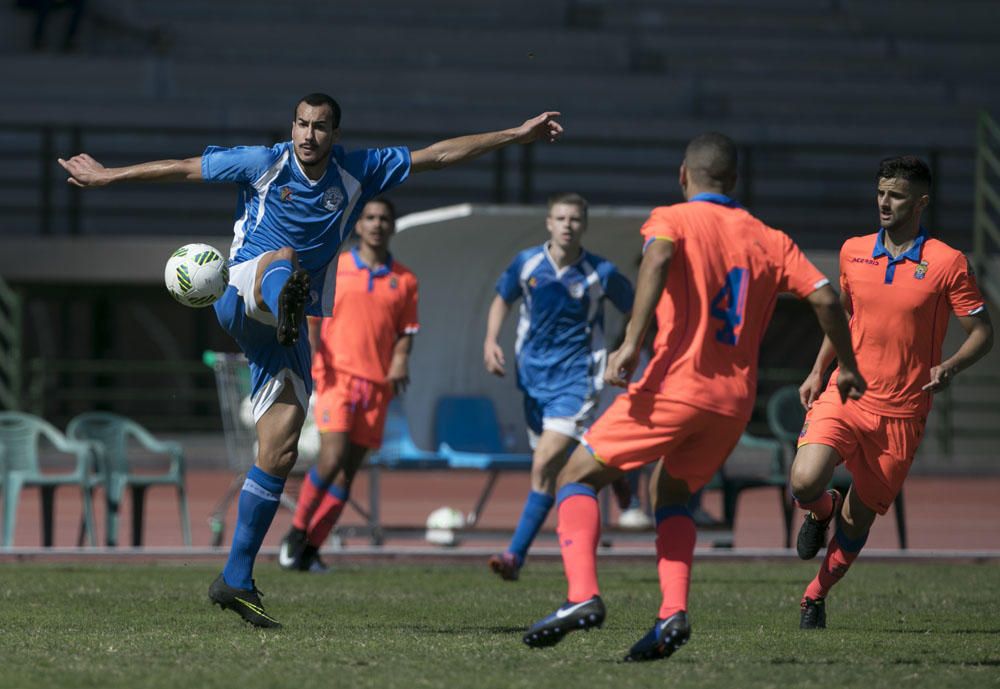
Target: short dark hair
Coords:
[[390, 206], [317, 99], [569, 198], [908, 167], [712, 158]]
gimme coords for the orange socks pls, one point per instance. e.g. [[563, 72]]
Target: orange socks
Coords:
[[579, 529], [840, 553], [310, 496], [821, 507], [326, 515], [675, 539]]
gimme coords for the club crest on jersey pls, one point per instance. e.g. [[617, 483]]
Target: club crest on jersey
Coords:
[[286, 193], [576, 290], [921, 271], [805, 429], [332, 198], [532, 282]]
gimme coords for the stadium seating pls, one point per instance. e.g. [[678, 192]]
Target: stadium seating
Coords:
[[468, 434], [20, 437], [111, 433]]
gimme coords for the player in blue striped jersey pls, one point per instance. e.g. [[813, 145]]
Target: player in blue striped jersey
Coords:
[[560, 352], [298, 201]]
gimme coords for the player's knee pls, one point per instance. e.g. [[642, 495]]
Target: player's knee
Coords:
[[285, 253], [278, 461], [805, 479]]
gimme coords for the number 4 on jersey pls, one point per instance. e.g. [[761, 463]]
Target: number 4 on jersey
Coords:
[[728, 305]]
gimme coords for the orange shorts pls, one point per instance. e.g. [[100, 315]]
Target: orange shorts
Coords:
[[877, 450], [352, 405], [641, 427]]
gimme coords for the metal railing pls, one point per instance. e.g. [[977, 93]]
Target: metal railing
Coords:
[[161, 395], [986, 207], [10, 347]]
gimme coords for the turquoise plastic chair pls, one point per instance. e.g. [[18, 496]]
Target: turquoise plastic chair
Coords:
[[20, 434], [785, 416], [112, 432]]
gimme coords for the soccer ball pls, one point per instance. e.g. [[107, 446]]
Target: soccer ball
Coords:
[[442, 524], [196, 275]]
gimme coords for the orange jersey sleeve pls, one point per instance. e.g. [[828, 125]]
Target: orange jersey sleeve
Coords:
[[409, 324]]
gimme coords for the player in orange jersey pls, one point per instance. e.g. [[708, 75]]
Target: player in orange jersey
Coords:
[[360, 360], [712, 272], [899, 285]]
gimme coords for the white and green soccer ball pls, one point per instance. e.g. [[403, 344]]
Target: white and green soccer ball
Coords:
[[444, 526], [196, 275]]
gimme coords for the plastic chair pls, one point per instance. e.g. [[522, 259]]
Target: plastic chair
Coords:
[[468, 434], [774, 476], [20, 434], [785, 417], [112, 432], [398, 450]]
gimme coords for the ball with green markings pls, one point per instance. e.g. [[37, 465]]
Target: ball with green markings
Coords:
[[196, 275]]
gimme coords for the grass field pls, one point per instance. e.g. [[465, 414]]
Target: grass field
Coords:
[[388, 625]]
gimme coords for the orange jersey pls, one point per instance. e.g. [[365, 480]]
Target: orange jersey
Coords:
[[726, 274], [371, 311], [899, 312]]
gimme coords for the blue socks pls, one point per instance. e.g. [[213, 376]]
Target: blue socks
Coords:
[[536, 509], [258, 504], [274, 278]]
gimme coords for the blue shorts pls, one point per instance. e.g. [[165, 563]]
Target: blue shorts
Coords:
[[569, 414], [271, 364]]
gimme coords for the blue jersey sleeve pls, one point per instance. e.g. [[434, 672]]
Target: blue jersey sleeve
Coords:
[[509, 284], [617, 287], [384, 168], [237, 164]]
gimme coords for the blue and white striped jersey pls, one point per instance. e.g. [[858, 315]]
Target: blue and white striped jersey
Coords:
[[279, 206], [560, 334]]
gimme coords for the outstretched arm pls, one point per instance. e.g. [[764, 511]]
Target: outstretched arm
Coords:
[[462, 148], [649, 285], [976, 345], [85, 172], [833, 321]]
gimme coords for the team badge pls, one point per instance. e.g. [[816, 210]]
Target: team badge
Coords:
[[532, 282], [921, 271], [332, 198], [805, 429], [286, 193], [576, 290]]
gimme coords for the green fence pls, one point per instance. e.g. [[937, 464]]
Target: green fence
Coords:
[[10, 347]]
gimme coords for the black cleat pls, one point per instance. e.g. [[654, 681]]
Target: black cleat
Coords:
[[571, 617], [292, 306], [813, 613], [813, 532], [309, 561], [663, 639], [244, 603], [292, 547]]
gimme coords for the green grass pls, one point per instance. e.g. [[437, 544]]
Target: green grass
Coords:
[[387, 625]]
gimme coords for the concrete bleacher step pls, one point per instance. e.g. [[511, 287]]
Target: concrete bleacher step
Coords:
[[340, 17]]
